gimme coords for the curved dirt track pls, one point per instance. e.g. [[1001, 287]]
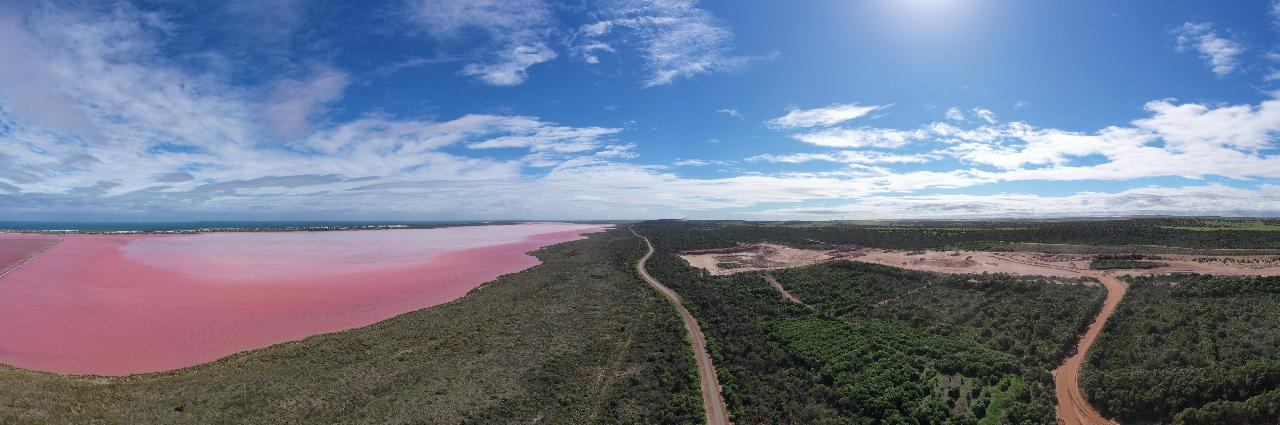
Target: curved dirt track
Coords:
[[712, 401], [1073, 409], [785, 295]]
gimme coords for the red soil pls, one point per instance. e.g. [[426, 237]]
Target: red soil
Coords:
[[117, 305]]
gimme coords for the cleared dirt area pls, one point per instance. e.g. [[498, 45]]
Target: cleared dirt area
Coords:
[[14, 252], [756, 257]]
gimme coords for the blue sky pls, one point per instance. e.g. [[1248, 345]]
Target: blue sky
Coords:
[[529, 109]]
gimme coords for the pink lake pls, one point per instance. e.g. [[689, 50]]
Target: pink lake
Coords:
[[118, 305]]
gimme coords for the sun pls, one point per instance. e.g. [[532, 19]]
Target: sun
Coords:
[[931, 19]]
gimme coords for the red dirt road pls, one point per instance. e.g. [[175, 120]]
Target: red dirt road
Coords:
[[1073, 408], [712, 401]]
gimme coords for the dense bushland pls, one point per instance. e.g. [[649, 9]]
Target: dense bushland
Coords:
[[877, 348], [1028, 317], [1158, 233], [1190, 349]]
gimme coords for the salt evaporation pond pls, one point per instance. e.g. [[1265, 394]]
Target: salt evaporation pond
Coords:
[[124, 304]]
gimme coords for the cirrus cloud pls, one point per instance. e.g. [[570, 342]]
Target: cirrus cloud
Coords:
[[821, 117]]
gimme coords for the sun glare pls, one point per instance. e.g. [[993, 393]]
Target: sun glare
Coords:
[[930, 17]]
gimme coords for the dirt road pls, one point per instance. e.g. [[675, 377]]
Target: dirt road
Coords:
[[712, 401], [1073, 409], [785, 295]]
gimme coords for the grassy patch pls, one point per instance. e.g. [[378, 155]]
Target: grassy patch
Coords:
[[1001, 399]]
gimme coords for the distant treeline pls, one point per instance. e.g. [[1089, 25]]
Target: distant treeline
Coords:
[[995, 235]]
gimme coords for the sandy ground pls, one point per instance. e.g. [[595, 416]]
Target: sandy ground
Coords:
[[756, 257], [1073, 408], [124, 304], [712, 400], [1244, 265]]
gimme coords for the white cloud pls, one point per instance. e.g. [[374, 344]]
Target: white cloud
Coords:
[[954, 114], [518, 30], [1275, 13], [1200, 200], [511, 68], [692, 162], [861, 137], [731, 112], [537, 136], [164, 139], [1220, 53], [985, 115], [1184, 127], [1187, 140], [825, 116], [846, 157], [1021, 104], [588, 51], [294, 103], [24, 63], [677, 39]]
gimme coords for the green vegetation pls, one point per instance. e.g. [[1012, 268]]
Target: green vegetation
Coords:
[[1022, 316], [1193, 349], [1231, 225], [1155, 235], [1002, 399], [926, 229], [1125, 261], [883, 345], [578, 339]]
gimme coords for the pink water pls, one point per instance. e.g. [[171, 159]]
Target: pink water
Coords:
[[117, 305]]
